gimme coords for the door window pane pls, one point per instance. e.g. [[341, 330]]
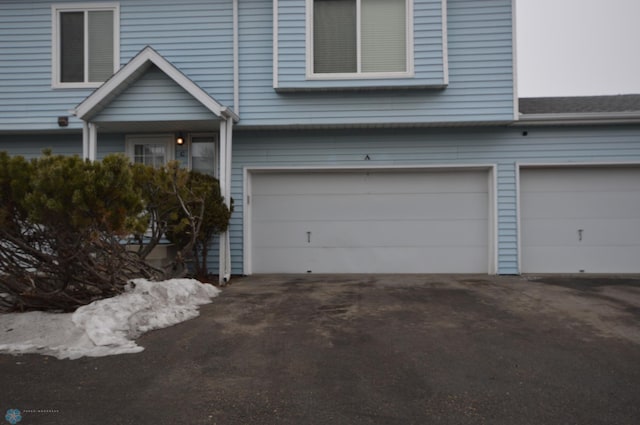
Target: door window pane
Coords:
[[203, 155], [150, 154]]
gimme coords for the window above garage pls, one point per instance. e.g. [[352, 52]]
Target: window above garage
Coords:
[[359, 44], [359, 38]]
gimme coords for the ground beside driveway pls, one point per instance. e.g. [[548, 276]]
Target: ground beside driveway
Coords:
[[363, 350]]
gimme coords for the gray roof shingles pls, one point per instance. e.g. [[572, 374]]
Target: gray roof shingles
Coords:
[[580, 104]]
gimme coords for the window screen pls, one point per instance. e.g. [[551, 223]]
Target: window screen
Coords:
[[384, 36], [100, 45]]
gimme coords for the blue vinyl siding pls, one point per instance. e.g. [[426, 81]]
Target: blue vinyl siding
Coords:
[[194, 35], [60, 143], [32, 145], [480, 76], [503, 147], [154, 97]]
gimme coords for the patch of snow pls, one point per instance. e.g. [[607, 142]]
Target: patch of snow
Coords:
[[105, 327]]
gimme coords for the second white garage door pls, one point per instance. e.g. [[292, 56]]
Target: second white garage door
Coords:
[[580, 219], [370, 222]]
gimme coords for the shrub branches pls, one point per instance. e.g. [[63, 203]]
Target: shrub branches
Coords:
[[63, 223]]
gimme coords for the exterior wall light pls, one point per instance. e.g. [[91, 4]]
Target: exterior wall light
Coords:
[[179, 139]]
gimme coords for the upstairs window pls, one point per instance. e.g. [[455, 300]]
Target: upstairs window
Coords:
[[85, 45], [360, 37]]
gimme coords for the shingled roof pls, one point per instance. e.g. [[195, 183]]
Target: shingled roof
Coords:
[[580, 105]]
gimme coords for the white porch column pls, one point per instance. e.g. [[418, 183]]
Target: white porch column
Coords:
[[85, 140], [93, 141], [226, 136]]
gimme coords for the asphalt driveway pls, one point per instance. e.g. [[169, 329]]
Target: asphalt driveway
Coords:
[[363, 350]]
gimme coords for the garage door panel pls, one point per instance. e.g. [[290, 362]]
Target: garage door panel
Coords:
[[350, 260], [370, 222], [590, 260], [551, 232], [366, 206], [580, 219], [388, 233], [369, 182], [580, 179], [579, 204]]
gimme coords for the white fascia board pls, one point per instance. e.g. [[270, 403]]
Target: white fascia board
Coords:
[[128, 73]]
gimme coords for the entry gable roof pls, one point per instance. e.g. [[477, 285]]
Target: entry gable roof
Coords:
[[133, 70]]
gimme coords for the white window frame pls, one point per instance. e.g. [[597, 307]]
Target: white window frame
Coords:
[[56, 10], [311, 75], [216, 141], [150, 139]]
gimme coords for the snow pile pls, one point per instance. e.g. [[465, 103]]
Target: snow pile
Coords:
[[105, 327]]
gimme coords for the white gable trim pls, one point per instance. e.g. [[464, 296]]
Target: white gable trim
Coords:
[[97, 100]]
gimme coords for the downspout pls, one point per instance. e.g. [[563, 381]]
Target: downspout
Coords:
[[236, 64], [229, 126]]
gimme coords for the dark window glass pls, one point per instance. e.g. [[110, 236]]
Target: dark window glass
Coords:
[[72, 47], [334, 36]]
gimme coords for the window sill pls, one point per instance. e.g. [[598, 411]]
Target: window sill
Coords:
[[359, 76], [341, 84], [58, 86]]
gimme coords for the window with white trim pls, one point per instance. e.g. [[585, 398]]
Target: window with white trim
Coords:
[[360, 37], [153, 150], [204, 153], [85, 43]]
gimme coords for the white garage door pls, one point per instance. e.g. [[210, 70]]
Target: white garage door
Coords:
[[580, 219], [370, 222]]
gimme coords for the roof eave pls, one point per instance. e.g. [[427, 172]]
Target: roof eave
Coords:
[[579, 118]]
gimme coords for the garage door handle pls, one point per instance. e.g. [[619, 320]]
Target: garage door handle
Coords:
[[308, 237], [580, 234]]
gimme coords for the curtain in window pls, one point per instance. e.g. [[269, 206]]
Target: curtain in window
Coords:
[[334, 36], [72, 47], [383, 42], [100, 45]]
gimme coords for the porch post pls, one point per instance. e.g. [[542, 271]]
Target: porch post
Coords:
[[226, 127], [93, 141], [85, 140]]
